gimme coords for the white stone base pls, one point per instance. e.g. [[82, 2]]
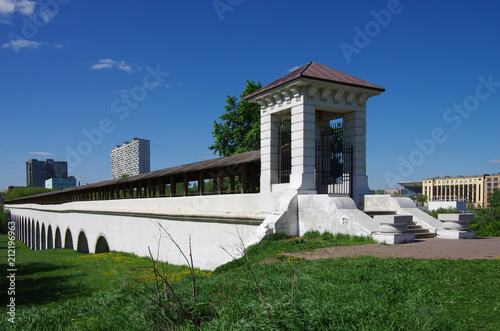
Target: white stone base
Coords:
[[453, 234], [393, 238]]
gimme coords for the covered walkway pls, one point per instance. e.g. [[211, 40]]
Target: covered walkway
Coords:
[[227, 175]]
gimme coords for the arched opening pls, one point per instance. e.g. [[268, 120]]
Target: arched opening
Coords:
[[83, 245], [101, 246], [37, 236], [32, 235], [25, 231], [28, 235], [68, 240], [22, 229], [58, 239], [50, 241], [44, 238]]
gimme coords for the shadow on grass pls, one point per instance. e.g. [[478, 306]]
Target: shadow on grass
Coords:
[[41, 290]]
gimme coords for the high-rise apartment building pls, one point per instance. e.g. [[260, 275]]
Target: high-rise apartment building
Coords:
[[131, 158], [37, 172]]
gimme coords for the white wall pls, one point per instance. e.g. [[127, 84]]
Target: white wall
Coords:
[[135, 234], [435, 205], [133, 225]]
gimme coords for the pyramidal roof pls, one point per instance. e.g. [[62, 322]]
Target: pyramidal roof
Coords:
[[317, 71]]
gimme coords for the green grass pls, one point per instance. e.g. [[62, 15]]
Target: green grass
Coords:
[[65, 290]]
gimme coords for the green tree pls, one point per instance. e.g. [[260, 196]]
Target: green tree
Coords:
[[4, 219], [421, 198], [494, 198], [19, 192], [239, 128]]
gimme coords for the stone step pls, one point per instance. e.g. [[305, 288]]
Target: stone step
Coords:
[[393, 219], [418, 231], [424, 235], [372, 213]]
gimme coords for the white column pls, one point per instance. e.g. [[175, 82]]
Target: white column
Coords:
[[303, 148], [355, 134], [269, 151]]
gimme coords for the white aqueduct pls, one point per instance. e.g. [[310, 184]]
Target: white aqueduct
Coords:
[[295, 183]]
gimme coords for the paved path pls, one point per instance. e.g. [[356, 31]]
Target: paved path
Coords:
[[435, 248]]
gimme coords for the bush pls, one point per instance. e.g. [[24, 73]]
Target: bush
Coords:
[[4, 219], [19, 192], [487, 223], [311, 234], [327, 236]]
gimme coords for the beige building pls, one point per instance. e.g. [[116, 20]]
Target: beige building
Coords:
[[491, 183], [471, 189]]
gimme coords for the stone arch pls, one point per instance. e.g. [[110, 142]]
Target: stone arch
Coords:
[[68, 239], [101, 245], [82, 245], [37, 236], [28, 227], [32, 234], [23, 221], [50, 240], [58, 243], [43, 237], [21, 228]]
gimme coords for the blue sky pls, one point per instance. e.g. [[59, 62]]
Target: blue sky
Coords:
[[79, 77]]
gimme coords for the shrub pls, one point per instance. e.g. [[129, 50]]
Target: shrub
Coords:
[[311, 234], [327, 236], [4, 219]]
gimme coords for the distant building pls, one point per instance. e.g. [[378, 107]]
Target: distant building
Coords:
[[131, 158], [37, 172], [412, 188], [491, 183], [60, 183], [456, 189]]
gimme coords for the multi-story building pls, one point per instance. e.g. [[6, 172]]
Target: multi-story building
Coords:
[[37, 172], [60, 183], [491, 182], [131, 158], [468, 189]]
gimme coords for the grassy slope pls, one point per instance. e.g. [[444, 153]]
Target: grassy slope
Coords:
[[62, 289]]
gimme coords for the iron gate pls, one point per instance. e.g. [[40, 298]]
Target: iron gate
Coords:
[[334, 163], [285, 155]]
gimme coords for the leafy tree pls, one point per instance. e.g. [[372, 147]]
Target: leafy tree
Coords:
[[19, 192], [421, 198], [239, 129], [4, 219], [494, 198]]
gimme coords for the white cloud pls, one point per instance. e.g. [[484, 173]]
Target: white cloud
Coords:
[[25, 7], [11, 7], [110, 64], [293, 69], [22, 43], [41, 153], [494, 161], [7, 7]]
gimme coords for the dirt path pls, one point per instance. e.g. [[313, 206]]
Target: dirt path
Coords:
[[480, 248]]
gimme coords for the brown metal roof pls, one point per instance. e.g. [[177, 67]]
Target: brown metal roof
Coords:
[[317, 71]]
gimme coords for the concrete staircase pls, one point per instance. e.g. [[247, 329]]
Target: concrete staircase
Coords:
[[419, 231], [412, 227]]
